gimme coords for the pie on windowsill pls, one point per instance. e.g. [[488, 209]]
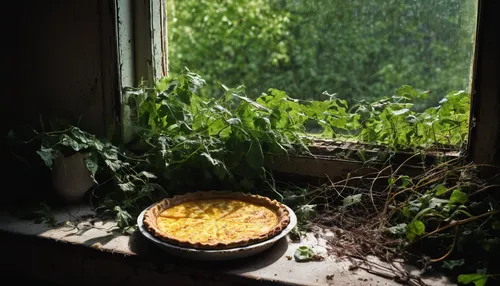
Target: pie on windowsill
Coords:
[[216, 219]]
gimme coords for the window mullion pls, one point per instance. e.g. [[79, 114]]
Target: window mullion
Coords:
[[141, 35]]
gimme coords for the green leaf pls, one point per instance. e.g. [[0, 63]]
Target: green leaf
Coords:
[[405, 181], [162, 84], [406, 211], [253, 103], [459, 197], [47, 156], [437, 202], [412, 119], [75, 145], [184, 96], [255, 157], [222, 109], [450, 264], [233, 121], [305, 212], [400, 112], [415, 229], [92, 164], [81, 136], [123, 218], [440, 189], [147, 175], [97, 145], [195, 81], [412, 209], [398, 229], [351, 200], [127, 187], [477, 279], [407, 91], [303, 253], [114, 165], [262, 122]]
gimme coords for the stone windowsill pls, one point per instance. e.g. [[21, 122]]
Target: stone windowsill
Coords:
[[92, 253]]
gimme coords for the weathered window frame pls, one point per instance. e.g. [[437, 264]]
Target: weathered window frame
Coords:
[[142, 45], [141, 39], [484, 132]]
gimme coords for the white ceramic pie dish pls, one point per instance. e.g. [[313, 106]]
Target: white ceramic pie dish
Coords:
[[216, 255]]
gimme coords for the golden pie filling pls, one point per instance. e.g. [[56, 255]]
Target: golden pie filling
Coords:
[[216, 221]]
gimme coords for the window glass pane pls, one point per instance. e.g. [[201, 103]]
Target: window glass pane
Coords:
[[357, 49]]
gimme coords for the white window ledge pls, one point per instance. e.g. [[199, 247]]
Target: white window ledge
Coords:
[[56, 255]]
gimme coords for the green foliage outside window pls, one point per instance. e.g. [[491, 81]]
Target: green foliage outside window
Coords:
[[360, 50]]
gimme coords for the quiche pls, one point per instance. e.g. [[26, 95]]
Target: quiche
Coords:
[[216, 219]]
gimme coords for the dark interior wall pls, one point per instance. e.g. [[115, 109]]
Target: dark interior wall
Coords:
[[58, 63]]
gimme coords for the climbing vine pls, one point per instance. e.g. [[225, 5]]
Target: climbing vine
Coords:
[[188, 141]]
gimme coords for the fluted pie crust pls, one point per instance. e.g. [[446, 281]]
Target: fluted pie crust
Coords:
[[216, 219]]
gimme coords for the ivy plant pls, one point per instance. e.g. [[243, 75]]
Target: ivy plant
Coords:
[[188, 141]]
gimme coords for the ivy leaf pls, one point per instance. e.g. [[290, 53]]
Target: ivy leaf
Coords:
[[398, 229], [412, 119], [458, 196], [407, 91], [262, 122], [114, 165], [148, 188], [412, 208], [47, 156], [415, 229], [233, 121], [184, 96], [477, 279], [97, 145], [123, 218], [303, 253], [435, 203], [255, 156], [222, 109], [450, 264], [80, 135], [440, 189], [127, 187], [70, 142], [92, 164], [405, 181], [147, 175], [195, 81], [253, 103], [400, 112], [306, 211], [351, 200]]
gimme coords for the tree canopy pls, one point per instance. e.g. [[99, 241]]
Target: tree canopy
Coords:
[[359, 50]]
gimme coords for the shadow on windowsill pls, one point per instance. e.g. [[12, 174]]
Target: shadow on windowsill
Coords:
[[140, 245]]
